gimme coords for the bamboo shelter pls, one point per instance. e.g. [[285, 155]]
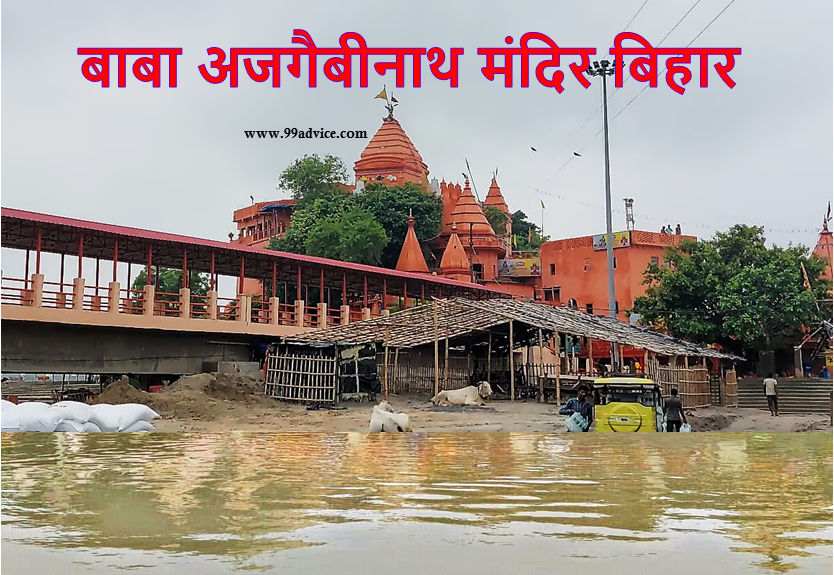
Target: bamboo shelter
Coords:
[[448, 344]]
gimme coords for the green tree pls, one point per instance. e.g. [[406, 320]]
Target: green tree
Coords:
[[390, 206], [169, 285], [527, 236], [331, 204], [312, 176], [733, 290], [355, 237], [497, 219]]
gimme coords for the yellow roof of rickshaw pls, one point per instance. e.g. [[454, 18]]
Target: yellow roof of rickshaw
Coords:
[[624, 381]]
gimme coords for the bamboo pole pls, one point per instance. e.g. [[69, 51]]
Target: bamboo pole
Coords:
[[436, 353], [541, 361], [489, 358], [446, 363], [590, 343], [558, 337], [385, 389], [512, 370], [396, 363]]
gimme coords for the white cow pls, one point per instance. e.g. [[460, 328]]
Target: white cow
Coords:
[[467, 396], [383, 418]]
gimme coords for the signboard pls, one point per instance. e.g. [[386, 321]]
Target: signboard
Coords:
[[621, 240], [522, 268]]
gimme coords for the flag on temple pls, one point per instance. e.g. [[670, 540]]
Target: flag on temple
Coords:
[[393, 99], [515, 240], [382, 95], [828, 213], [542, 202], [806, 283]]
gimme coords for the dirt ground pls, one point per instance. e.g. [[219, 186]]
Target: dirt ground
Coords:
[[231, 402]]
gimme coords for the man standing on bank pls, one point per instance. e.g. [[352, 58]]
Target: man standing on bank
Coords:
[[675, 416], [772, 395]]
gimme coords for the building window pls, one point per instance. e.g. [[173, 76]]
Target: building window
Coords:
[[655, 260], [589, 308], [552, 294], [615, 262], [553, 269], [616, 307], [587, 265]]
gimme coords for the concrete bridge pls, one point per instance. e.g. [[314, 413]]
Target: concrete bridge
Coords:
[[64, 325]]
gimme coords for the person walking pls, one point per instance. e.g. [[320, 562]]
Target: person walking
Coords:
[[579, 405], [772, 394], [675, 417]]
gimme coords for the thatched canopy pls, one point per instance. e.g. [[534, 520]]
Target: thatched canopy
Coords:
[[469, 322]]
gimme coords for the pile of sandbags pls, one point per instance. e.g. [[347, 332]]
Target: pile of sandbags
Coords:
[[73, 416]]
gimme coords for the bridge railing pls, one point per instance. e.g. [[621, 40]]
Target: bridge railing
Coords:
[[38, 293]]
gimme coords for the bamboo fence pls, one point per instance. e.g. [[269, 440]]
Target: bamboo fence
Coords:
[[730, 389], [692, 384], [299, 377]]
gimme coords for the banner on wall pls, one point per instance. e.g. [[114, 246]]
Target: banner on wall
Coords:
[[527, 267], [621, 240]]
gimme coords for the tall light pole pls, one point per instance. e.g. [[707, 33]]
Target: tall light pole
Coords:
[[605, 68]]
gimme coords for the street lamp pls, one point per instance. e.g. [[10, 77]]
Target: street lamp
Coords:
[[605, 68]]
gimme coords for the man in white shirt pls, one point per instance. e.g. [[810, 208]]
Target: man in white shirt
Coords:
[[772, 395]]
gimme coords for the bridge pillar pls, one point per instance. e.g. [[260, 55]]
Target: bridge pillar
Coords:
[[345, 314], [185, 302], [299, 313], [366, 313], [78, 293], [150, 297], [212, 304], [114, 298], [244, 309], [274, 311], [322, 319], [37, 290]]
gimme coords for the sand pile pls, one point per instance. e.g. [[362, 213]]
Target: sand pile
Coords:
[[710, 421], [203, 396]]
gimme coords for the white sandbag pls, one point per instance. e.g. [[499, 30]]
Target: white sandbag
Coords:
[[6, 404], [139, 426], [686, 428], [120, 417], [74, 410], [69, 426], [90, 427], [9, 421], [35, 416]]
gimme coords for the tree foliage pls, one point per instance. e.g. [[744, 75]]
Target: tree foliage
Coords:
[[310, 177], [322, 208], [733, 290], [527, 236], [497, 219], [170, 282], [355, 237], [390, 206]]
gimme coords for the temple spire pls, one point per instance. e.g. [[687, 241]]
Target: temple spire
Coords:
[[411, 256]]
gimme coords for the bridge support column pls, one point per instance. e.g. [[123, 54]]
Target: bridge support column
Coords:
[[78, 293], [37, 290], [321, 320], [114, 297], [212, 302], [150, 297], [185, 302], [366, 313], [274, 311], [345, 314], [299, 313]]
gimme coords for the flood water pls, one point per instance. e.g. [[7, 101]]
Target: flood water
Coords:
[[485, 503]]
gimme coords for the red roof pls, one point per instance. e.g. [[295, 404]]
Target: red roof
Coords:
[[61, 235]]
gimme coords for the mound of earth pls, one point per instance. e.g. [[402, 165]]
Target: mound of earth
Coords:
[[203, 396], [710, 421]]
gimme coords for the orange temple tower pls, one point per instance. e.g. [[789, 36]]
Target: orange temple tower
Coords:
[[411, 256]]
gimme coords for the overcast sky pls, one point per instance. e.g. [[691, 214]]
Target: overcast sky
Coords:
[[177, 160]]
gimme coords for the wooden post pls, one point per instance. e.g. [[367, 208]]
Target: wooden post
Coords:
[[396, 363], [686, 362], [489, 357], [446, 363], [558, 337], [590, 343], [541, 364], [385, 389], [646, 362], [512, 369], [436, 367]]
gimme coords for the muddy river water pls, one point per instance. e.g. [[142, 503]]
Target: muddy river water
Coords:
[[402, 504]]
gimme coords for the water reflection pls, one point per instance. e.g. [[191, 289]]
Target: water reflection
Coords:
[[766, 499]]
